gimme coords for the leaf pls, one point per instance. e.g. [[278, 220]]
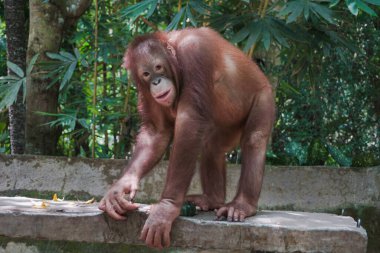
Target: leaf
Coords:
[[339, 40], [296, 150], [63, 119], [266, 30], [184, 19], [365, 8], [374, 2], [266, 38], [322, 11], [317, 153], [15, 69], [200, 7], [255, 33], [306, 13], [9, 91], [63, 68], [295, 8], [295, 13], [31, 64], [338, 156], [351, 4], [84, 124], [276, 29], [240, 35], [55, 56], [67, 55], [69, 73], [138, 9], [191, 17], [334, 3], [84, 63], [291, 33], [280, 39], [6, 79], [54, 81], [177, 18], [151, 9], [288, 8], [287, 87], [77, 53]]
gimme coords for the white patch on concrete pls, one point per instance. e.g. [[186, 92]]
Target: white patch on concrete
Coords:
[[114, 172], [19, 248]]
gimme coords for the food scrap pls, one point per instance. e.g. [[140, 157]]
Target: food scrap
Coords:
[[42, 204], [90, 201]]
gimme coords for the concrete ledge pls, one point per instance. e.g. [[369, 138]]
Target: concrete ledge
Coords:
[[295, 188], [269, 231]]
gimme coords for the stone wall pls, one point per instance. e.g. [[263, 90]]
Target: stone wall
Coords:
[[291, 188], [287, 188]]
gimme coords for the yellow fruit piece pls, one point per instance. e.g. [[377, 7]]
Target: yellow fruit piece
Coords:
[[90, 201], [40, 205]]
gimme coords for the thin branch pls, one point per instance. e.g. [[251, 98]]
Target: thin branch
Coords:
[[264, 10], [251, 50], [260, 6], [147, 22], [179, 5]]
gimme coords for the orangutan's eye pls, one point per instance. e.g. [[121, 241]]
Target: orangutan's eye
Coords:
[[158, 67]]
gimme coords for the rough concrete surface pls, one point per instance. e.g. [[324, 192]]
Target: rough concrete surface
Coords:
[[272, 231], [13, 247], [297, 188]]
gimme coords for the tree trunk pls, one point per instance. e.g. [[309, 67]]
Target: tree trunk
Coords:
[[16, 53], [48, 22]]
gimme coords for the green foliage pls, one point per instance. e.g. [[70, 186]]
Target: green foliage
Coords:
[[330, 108], [308, 10], [317, 154], [188, 13], [143, 8], [67, 120], [3, 46], [10, 85], [339, 156], [62, 68], [296, 150], [265, 29], [4, 136], [322, 56], [355, 5]]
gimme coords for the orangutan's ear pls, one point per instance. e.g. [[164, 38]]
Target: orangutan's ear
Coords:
[[171, 50]]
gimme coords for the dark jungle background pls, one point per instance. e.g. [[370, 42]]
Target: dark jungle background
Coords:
[[63, 90]]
